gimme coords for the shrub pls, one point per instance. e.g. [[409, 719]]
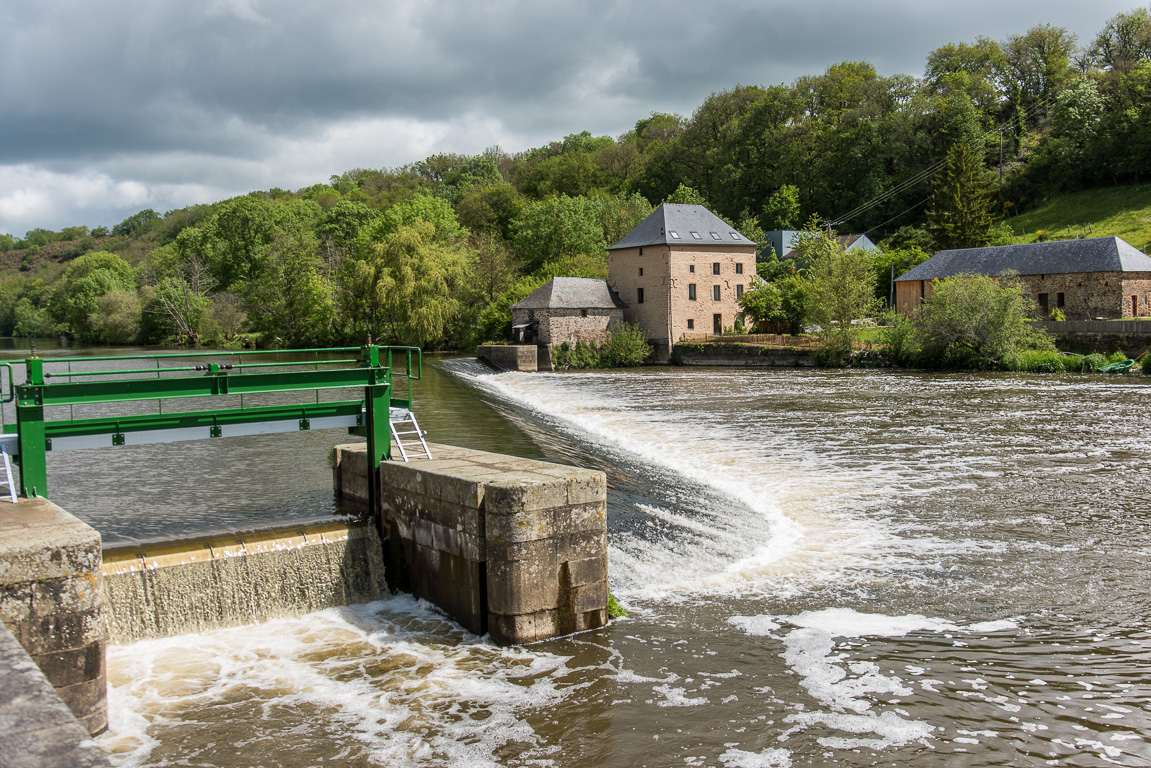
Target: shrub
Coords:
[[1093, 361], [1034, 361], [626, 347]]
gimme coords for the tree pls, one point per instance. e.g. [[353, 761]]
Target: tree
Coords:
[[1123, 41], [975, 320], [781, 211], [76, 297], [840, 287], [960, 216], [685, 195], [288, 301], [556, 228]]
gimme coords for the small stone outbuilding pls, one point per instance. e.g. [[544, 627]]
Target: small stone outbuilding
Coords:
[[570, 309], [1102, 277]]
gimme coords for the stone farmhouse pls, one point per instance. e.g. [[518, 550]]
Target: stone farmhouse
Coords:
[[680, 272], [1102, 277], [570, 309]]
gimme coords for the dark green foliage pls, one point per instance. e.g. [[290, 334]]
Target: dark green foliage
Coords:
[[626, 347], [960, 215], [138, 223], [569, 357]]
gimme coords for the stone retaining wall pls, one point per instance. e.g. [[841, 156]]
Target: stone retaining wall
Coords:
[[50, 599], [37, 730], [512, 547], [509, 357], [739, 355]]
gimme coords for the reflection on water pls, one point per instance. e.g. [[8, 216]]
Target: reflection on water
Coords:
[[821, 566]]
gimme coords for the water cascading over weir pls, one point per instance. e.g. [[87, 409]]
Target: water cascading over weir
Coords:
[[511, 547]]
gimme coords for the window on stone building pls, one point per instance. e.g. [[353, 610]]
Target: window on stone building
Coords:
[[691, 268], [717, 323], [738, 291], [1059, 300], [641, 271], [1043, 308], [715, 292], [715, 268], [691, 291], [697, 235], [715, 236], [1134, 305], [739, 268], [583, 313], [641, 251], [639, 295], [690, 324]]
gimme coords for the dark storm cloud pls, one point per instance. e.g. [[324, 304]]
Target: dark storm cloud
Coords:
[[224, 96]]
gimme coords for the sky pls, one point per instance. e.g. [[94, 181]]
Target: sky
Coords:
[[108, 107]]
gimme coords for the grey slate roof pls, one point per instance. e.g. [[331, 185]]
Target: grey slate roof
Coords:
[[1099, 254], [571, 293], [673, 224]]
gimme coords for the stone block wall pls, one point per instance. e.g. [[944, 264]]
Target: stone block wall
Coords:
[[50, 600], [37, 730], [1086, 295], [560, 324], [508, 357], [512, 547]]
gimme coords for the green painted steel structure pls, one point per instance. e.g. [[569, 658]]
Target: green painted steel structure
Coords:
[[372, 368]]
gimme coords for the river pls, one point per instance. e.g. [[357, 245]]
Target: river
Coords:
[[859, 568]]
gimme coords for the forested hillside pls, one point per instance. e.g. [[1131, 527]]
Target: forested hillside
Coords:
[[434, 252]]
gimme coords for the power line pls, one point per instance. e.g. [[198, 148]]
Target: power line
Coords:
[[933, 169]]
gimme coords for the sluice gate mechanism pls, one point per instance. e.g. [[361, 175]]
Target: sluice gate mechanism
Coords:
[[225, 377]]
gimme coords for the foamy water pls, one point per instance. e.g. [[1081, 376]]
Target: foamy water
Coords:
[[820, 567]]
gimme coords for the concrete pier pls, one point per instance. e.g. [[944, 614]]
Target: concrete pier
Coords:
[[512, 547], [50, 600], [37, 730]]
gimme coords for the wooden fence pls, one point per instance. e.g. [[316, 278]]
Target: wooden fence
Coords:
[[779, 340]]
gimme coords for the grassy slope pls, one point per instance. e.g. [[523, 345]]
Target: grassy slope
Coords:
[[1110, 211]]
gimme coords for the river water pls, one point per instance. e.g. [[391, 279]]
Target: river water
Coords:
[[859, 568]]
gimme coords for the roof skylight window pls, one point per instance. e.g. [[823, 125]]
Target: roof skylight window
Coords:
[[674, 234], [735, 236], [715, 236], [697, 235]]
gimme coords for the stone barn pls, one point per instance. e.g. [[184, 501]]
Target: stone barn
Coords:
[[567, 309], [1102, 277]]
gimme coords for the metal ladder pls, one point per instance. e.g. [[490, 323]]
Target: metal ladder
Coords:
[[7, 468], [401, 417]]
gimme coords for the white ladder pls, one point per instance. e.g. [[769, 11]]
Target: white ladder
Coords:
[[399, 417], [8, 468]]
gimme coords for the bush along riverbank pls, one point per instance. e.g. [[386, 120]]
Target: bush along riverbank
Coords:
[[625, 347]]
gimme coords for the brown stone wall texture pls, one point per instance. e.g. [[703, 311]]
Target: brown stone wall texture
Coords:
[[560, 324], [1086, 295], [509, 357], [668, 271], [50, 600]]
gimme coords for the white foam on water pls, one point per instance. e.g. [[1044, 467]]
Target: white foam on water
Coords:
[[768, 758], [394, 676], [782, 524], [851, 688]]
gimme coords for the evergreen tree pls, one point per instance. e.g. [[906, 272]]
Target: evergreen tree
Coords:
[[961, 216]]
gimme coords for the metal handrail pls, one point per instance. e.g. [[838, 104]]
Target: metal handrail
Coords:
[[206, 354], [11, 384]]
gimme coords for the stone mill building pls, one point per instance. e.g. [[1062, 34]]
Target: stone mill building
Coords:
[[680, 272], [570, 309]]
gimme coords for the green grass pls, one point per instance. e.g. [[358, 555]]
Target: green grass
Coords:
[[1105, 212]]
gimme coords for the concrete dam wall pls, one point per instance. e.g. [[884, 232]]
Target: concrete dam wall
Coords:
[[237, 578]]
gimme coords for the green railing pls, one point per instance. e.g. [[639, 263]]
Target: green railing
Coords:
[[203, 374]]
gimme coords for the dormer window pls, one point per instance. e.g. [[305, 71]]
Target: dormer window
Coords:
[[674, 234], [715, 236], [697, 235]]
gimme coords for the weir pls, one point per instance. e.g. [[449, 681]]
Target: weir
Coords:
[[167, 588], [510, 547]]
